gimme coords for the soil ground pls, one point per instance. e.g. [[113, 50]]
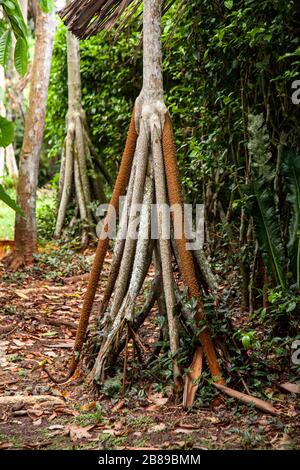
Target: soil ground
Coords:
[[39, 310]]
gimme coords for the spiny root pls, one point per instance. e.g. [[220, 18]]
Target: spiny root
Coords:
[[187, 263], [103, 244]]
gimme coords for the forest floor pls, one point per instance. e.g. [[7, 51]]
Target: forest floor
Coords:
[[39, 309]]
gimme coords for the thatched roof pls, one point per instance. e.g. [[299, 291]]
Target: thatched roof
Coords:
[[86, 18]]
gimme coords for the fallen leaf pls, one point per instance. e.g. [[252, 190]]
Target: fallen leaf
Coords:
[[158, 399], [66, 411], [55, 427], [118, 406], [158, 427], [5, 445], [213, 419], [37, 422], [88, 406], [289, 387], [188, 426], [183, 431], [80, 432], [35, 412], [21, 294]]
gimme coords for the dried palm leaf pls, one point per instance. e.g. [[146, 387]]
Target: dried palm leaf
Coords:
[[85, 18]]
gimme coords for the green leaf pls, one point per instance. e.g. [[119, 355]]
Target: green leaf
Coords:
[[267, 228], [21, 56], [228, 4], [291, 170], [9, 201], [47, 5], [14, 14], [6, 132], [246, 341], [5, 46]]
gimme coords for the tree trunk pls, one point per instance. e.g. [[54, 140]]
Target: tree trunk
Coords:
[[25, 227], [78, 155]]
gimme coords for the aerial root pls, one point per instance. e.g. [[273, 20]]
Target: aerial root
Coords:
[[102, 247], [186, 259], [165, 249]]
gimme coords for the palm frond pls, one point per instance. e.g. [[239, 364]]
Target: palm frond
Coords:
[[291, 171], [86, 18], [266, 219]]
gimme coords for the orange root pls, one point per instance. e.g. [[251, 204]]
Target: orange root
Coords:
[[103, 245], [187, 263]]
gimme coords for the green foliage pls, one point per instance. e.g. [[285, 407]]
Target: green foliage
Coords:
[[14, 22], [228, 74], [6, 132], [291, 170], [21, 56], [46, 220], [111, 80], [4, 196], [268, 229], [5, 46], [47, 5]]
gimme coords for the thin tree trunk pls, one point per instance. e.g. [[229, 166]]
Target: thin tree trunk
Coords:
[[25, 227], [78, 152]]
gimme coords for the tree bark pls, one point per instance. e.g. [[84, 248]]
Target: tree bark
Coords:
[[79, 154], [25, 226]]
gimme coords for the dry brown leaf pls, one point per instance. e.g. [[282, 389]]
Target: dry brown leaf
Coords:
[[21, 294], [213, 419], [118, 406], [158, 427], [66, 411], [181, 430], [5, 445], [158, 399], [289, 387], [88, 406], [35, 412], [37, 422], [80, 432], [55, 427], [189, 426]]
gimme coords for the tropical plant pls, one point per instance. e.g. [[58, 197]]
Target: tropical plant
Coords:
[[281, 253], [11, 24]]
